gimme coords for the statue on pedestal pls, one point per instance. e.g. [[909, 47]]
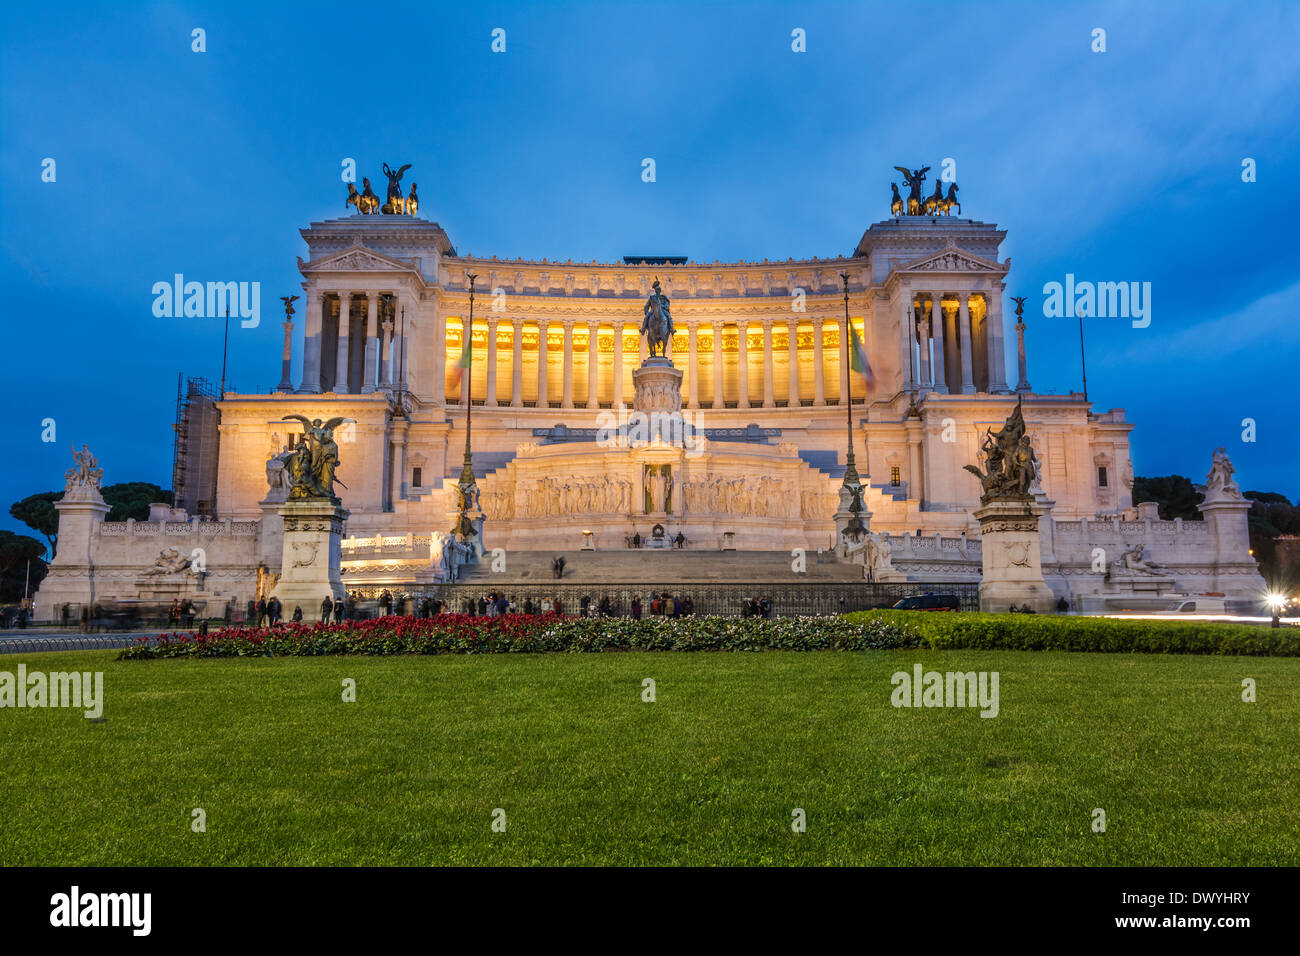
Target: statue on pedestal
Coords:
[[311, 465], [657, 324], [1009, 461], [1219, 483], [86, 472]]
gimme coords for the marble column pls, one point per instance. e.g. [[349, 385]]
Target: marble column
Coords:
[[909, 325], [819, 363], [792, 390], [566, 394], [345, 321], [311, 342], [543, 326], [769, 367], [386, 355], [692, 367], [286, 359], [491, 400], [400, 358], [717, 364], [369, 381], [593, 364], [742, 361], [967, 359], [618, 363], [937, 332], [439, 334], [997, 352], [923, 331], [517, 364]]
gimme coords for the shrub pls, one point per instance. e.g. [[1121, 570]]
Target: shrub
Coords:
[[1041, 632]]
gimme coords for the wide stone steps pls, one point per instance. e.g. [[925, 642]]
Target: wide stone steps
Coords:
[[661, 566]]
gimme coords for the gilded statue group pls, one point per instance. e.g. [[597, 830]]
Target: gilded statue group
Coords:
[[311, 465], [1009, 470], [936, 204], [396, 204]]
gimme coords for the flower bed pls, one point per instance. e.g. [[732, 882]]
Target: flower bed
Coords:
[[519, 633]]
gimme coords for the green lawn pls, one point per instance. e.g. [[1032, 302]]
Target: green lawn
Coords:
[[708, 774]]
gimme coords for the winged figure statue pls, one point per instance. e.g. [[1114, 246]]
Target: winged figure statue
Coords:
[[311, 466]]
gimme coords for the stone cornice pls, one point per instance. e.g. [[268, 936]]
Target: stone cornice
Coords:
[[630, 310]]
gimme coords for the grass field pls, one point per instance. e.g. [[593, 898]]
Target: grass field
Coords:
[[708, 774]]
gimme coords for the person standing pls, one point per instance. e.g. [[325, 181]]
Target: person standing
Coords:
[[250, 612], [326, 606], [339, 606], [636, 608], [276, 610], [261, 611]]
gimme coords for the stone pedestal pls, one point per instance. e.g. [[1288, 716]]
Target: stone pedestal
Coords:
[[658, 387], [1012, 558], [71, 578], [311, 558], [1226, 517], [848, 548], [472, 540]]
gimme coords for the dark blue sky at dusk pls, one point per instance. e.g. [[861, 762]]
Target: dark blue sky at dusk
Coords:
[[1115, 166]]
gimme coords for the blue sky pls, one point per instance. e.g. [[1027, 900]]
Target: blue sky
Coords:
[[1123, 165]]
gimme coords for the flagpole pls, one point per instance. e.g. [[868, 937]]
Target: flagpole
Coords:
[[851, 480], [467, 472]]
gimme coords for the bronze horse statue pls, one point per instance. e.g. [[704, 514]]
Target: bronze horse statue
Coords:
[[947, 204], [657, 326], [895, 203], [934, 201]]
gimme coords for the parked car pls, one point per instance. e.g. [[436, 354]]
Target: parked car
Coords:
[[929, 602]]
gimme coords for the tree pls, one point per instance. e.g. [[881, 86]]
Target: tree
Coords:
[[1174, 494], [37, 512], [1271, 516], [131, 499], [15, 551]]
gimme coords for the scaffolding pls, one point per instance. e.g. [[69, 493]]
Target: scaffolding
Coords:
[[194, 454]]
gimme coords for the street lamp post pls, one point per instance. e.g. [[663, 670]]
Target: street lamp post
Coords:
[[852, 482]]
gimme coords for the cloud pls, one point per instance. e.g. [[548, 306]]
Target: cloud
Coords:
[[1268, 322]]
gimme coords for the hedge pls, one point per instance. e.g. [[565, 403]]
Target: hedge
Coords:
[[1044, 632], [518, 633]]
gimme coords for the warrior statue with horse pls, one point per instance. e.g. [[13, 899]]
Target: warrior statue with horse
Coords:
[[657, 325]]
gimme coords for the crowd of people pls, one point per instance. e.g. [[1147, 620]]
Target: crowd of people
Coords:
[[269, 611]]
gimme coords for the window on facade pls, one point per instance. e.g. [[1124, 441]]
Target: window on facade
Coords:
[[417, 477], [1102, 478], [895, 476]]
